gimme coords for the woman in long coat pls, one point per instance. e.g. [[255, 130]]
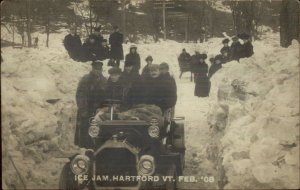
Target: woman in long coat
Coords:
[[200, 71]]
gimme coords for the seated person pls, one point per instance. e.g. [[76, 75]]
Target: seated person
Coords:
[[89, 50], [215, 66], [225, 56], [184, 58]]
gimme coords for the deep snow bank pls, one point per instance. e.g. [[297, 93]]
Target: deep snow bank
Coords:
[[254, 118]]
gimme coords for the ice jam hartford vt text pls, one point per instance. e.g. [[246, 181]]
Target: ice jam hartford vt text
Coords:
[[185, 179]]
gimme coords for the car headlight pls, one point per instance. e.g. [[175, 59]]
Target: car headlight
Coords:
[[94, 131], [80, 164], [153, 131], [146, 165]]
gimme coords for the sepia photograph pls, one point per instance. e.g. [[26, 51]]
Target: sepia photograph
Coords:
[[150, 94]]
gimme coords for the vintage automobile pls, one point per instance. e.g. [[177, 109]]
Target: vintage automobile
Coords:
[[128, 154]]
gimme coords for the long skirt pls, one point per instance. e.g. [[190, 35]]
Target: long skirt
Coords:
[[202, 86]]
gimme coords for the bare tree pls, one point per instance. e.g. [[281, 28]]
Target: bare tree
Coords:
[[289, 22]]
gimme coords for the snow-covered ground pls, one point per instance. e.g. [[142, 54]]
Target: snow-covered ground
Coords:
[[37, 134]]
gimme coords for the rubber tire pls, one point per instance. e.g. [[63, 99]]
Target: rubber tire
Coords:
[[67, 178], [172, 185]]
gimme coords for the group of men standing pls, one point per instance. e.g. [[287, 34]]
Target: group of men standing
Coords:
[[95, 46], [203, 73], [154, 86]]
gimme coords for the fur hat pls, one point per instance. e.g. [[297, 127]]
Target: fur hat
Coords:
[[114, 71], [225, 41]]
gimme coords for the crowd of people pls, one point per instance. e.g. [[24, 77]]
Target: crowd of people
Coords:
[[95, 47], [202, 73], [155, 86]]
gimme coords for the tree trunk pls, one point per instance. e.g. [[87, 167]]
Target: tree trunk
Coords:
[[289, 22], [28, 22]]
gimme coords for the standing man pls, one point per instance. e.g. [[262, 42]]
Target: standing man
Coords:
[[90, 96], [115, 41], [72, 44], [134, 58]]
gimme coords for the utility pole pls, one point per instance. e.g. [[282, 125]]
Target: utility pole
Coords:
[[164, 19], [124, 19]]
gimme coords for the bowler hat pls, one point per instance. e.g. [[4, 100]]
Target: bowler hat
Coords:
[[225, 41], [114, 71], [149, 58]]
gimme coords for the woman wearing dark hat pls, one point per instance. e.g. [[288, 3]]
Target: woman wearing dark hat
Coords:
[[146, 71], [226, 47], [247, 47], [202, 86], [215, 66], [134, 58]]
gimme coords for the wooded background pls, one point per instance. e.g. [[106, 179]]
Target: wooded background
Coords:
[[181, 20]]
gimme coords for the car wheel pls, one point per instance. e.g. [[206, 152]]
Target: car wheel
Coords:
[[172, 185], [67, 179]]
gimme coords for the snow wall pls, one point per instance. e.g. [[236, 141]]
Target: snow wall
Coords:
[[254, 119]]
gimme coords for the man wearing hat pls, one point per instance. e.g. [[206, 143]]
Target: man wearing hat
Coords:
[[134, 58], [215, 66], [247, 47], [115, 87], [146, 71], [170, 84], [202, 86], [73, 44], [235, 48], [90, 96], [115, 41], [132, 85]]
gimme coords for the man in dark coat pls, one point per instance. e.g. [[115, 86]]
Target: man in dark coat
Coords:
[[146, 70], [90, 96], [247, 48], [134, 58], [156, 91], [115, 87], [72, 44], [132, 86], [89, 50], [202, 86], [171, 89], [235, 49], [216, 64], [103, 51], [115, 41]]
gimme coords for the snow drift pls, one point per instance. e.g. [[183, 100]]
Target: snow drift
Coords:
[[254, 118]]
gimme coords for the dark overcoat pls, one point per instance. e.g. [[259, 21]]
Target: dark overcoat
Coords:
[[247, 50], [235, 50], [115, 41], [202, 86], [90, 96], [135, 60], [73, 44], [213, 69]]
